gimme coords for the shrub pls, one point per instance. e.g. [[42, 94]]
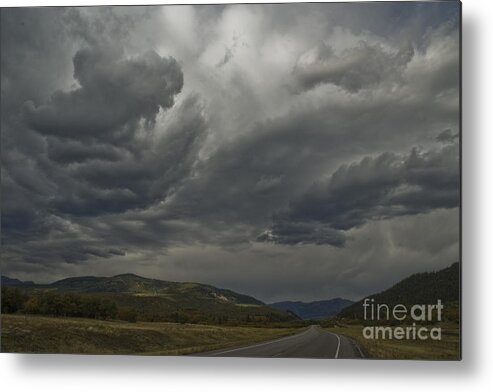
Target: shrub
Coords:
[[12, 300], [31, 306], [127, 314]]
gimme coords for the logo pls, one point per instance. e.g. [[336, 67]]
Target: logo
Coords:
[[414, 321]]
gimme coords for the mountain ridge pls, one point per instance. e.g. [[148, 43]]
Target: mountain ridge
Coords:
[[130, 283], [418, 288], [5, 280], [314, 309], [160, 300]]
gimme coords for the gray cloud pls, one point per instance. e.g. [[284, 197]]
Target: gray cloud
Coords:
[[295, 232], [354, 69], [94, 149], [114, 94], [73, 151], [374, 188], [447, 136], [139, 179]]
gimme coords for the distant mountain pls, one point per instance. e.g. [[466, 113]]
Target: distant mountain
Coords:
[[134, 284], [313, 310], [6, 281], [420, 288], [159, 300]]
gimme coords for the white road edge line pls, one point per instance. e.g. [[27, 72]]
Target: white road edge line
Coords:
[[360, 352], [261, 344], [338, 343], [338, 346]]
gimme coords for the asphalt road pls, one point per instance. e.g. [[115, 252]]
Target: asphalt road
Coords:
[[314, 342]]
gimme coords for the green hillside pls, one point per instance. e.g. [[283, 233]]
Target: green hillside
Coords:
[[150, 300], [137, 285], [421, 288]]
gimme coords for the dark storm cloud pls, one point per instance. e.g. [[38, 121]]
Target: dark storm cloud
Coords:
[[447, 136], [90, 150], [354, 69], [375, 188], [137, 180], [72, 151], [78, 213], [292, 233], [114, 94], [254, 175]]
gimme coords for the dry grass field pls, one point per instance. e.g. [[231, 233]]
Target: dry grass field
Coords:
[[39, 334], [446, 349]]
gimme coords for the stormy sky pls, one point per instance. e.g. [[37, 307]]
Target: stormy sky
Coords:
[[300, 152]]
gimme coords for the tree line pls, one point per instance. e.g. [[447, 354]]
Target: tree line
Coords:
[[51, 303], [129, 308]]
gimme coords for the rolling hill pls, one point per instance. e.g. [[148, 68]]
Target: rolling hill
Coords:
[[6, 281], [158, 300], [137, 285], [420, 288], [313, 310]]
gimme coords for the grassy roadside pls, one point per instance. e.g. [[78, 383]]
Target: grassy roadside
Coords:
[[38, 334], [446, 349]]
